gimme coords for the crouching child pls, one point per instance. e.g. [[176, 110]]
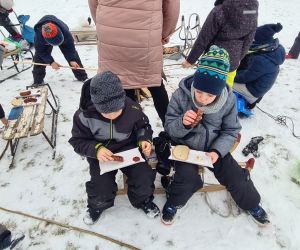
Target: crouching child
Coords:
[[107, 123], [202, 115]]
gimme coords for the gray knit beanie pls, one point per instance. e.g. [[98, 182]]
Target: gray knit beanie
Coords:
[[107, 92]]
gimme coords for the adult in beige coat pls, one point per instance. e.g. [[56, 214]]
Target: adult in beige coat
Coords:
[[130, 38]]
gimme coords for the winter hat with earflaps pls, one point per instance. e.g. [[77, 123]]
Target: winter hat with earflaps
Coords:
[[107, 93], [52, 34], [264, 34]]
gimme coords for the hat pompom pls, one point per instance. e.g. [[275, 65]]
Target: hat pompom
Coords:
[[277, 27]]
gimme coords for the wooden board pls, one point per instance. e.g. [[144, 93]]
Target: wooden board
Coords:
[[13, 52], [31, 121]]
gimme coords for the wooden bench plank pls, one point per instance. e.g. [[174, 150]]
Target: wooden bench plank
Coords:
[[13, 52], [39, 119], [23, 127]]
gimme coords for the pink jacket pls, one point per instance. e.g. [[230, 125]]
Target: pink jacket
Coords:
[[129, 38]]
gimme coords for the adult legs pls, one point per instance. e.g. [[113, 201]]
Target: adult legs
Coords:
[[8, 25], [160, 100], [295, 50]]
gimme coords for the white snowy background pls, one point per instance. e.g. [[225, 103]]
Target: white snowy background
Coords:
[[55, 189]]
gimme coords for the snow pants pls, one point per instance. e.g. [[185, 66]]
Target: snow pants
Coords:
[[39, 72], [101, 189], [7, 24], [295, 50], [187, 181]]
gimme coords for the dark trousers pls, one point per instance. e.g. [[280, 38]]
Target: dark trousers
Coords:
[[160, 99], [7, 24], [295, 50], [227, 171], [39, 72], [101, 189], [5, 236]]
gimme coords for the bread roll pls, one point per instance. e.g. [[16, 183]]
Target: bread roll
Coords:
[[181, 152]]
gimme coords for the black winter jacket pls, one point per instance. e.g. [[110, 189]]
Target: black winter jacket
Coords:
[[230, 25], [90, 128], [2, 114], [44, 50]]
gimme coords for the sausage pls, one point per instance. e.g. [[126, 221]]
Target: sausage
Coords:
[[25, 93], [198, 118], [117, 158], [30, 99]]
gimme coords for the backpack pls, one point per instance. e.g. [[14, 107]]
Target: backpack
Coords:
[[26, 31]]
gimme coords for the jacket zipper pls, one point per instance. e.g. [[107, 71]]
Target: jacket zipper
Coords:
[[207, 137], [110, 133]]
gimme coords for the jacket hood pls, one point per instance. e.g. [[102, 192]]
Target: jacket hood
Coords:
[[85, 98], [53, 19], [185, 84], [241, 13], [276, 56]]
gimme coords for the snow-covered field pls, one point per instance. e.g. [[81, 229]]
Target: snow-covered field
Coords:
[[55, 189]]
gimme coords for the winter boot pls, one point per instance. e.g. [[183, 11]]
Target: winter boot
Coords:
[[252, 146], [11, 241], [290, 56], [259, 216], [150, 209], [168, 214], [91, 216]]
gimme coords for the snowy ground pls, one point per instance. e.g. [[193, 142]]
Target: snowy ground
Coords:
[[55, 189]]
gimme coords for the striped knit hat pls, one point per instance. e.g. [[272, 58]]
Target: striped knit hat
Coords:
[[52, 34], [212, 71]]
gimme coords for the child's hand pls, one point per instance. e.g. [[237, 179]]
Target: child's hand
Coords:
[[104, 155], [189, 117], [55, 65], [146, 148], [186, 64], [74, 64], [165, 40], [4, 121], [214, 156]]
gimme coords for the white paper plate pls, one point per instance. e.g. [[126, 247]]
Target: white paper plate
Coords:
[[195, 157], [128, 160]]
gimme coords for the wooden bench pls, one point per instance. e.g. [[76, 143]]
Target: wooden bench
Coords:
[[84, 37], [31, 121]]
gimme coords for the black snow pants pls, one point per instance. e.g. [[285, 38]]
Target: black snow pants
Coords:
[[237, 181], [295, 50], [101, 189], [39, 72], [7, 24]]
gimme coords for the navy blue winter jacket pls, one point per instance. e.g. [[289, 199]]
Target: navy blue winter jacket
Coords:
[[262, 71], [43, 50]]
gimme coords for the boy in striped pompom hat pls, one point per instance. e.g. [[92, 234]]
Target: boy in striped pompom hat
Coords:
[[202, 115]]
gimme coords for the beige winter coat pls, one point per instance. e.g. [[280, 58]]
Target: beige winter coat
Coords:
[[129, 38]]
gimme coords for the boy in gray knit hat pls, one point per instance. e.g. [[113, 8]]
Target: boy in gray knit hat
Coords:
[[108, 122], [202, 115]]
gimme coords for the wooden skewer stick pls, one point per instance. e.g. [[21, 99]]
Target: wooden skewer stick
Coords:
[[62, 66]]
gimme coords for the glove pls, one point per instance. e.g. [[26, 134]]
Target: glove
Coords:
[[252, 146]]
